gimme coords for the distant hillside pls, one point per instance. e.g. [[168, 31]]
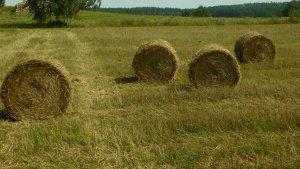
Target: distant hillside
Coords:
[[272, 9]]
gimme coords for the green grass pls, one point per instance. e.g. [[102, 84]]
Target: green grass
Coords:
[[111, 125], [99, 19]]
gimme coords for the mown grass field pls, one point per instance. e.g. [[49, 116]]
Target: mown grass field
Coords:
[[114, 124]]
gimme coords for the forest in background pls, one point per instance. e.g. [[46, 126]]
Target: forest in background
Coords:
[[273, 9]]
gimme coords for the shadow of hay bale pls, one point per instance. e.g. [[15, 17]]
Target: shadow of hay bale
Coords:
[[37, 25], [5, 116], [126, 80]]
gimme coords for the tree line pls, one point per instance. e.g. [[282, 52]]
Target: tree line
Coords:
[[272, 9], [145, 11]]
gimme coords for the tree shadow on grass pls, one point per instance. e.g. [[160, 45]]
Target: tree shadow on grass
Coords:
[[5, 116], [36, 25], [126, 80]]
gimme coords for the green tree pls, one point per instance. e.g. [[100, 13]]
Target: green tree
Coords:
[[66, 9], [62, 10], [293, 10], [89, 4], [202, 12], [41, 10], [94, 4], [98, 3], [187, 12], [2, 3]]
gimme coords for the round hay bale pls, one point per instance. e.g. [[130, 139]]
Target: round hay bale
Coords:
[[36, 90], [214, 66], [155, 61], [254, 48], [21, 8]]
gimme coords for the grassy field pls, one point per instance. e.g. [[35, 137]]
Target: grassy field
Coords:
[[97, 19], [114, 124]]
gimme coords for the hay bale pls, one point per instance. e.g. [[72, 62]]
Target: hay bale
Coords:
[[254, 48], [155, 61], [21, 8], [214, 66], [36, 90]]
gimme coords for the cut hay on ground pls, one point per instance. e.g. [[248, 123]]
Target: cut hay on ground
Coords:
[[20, 8], [254, 48], [214, 66], [36, 90], [155, 61]]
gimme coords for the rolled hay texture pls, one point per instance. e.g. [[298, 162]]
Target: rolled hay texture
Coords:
[[155, 61], [214, 66], [21, 8], [254, 48], [36, 89]]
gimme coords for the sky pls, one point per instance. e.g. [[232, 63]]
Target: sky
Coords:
[[166, 3]]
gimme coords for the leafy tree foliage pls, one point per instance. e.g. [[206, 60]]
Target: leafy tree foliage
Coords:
[[187, 12], [293, 10], [202, 12], [41, 10], [62, 10], [66, 9], [93, 4], [2, 3]]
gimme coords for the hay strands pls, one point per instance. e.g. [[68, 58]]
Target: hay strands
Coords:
[[36, 89], [253, 47], [214, 66], [155, 61]]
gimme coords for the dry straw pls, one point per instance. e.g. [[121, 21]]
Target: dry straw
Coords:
[[36, 89], [21, 8], [155, 61], [254, 48], [214, 66]]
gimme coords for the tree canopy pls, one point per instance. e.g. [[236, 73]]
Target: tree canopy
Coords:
[[62, 10], [2, 3], [293, 10], [202, 12]]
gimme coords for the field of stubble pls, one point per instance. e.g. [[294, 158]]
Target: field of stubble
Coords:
[[115, 124]]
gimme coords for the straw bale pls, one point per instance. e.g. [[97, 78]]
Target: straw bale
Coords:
[[155, 61], [214, 66], [254, 48], [36, 89]]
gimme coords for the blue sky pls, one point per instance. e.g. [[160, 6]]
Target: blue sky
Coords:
[[167, 3]]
